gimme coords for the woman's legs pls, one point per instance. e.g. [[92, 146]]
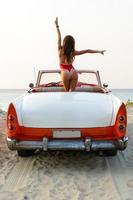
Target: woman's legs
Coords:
[[65, 75], [74, 80]]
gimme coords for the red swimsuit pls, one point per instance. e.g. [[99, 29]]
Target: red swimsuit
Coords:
[[66, 67]]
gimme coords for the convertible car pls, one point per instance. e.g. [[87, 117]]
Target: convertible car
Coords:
[[47, 118]]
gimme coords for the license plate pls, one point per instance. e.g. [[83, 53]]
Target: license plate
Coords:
[[66, 134]]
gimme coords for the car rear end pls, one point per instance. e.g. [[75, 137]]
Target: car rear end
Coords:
[[67, 121]]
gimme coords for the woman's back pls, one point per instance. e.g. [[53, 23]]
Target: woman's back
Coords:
[[63, 58], [66, 50]]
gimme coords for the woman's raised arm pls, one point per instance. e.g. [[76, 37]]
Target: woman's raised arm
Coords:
[[58, 32]]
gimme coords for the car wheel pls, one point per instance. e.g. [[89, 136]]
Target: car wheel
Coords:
[[108, 153], [25, 153]]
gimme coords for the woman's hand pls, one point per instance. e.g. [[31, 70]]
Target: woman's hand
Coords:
[[56, 22], [58, 32], [102, 51]]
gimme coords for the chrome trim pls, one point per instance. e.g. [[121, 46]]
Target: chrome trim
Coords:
[[86, 145], [45, 144], [66, 145], [11, 143], [103, 145], [122, 143]]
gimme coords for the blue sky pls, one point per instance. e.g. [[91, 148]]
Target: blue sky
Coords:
[[28, 38]]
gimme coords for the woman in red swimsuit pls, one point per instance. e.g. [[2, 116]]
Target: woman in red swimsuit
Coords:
[[67, 54]]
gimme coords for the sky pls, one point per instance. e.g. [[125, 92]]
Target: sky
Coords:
[[28, 38]]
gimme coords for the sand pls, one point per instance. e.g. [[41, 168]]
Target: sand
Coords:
[[66, 175]]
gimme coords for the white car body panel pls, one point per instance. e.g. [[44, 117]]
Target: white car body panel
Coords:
[[116, 105], [67, 109]]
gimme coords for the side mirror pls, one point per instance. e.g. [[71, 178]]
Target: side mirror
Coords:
[[105, 85], [31, 85]]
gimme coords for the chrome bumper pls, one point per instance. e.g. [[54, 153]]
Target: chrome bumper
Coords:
[[85, 145]]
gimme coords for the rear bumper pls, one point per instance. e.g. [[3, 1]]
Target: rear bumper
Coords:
[[85, 145]]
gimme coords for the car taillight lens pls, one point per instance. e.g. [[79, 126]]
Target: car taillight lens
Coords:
[[12, 122], [11, 117], [121, 127], [121, 118], [11, 127], [121, 122]]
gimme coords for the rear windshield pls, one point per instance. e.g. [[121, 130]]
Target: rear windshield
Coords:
[[88, 78]]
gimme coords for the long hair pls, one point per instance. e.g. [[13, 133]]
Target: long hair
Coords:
[[68, 48]]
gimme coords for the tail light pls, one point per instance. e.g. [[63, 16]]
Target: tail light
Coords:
[[12, 122], [121, 122]]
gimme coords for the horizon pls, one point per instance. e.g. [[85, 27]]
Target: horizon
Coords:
[[28, 88]]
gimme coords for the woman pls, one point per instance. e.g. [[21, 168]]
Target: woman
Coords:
[[67, 54]]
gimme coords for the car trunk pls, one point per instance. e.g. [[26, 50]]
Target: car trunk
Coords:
[[67, 110]]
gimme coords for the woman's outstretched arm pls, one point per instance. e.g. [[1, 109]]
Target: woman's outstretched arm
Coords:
[[76, 53], [58, 32]]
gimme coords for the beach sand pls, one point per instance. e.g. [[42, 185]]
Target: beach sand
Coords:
[[66, 175]]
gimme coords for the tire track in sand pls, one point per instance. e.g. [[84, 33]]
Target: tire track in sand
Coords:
[[19, 175], [121, 175]]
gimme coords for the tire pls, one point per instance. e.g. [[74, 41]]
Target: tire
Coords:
[[25, 153], [109, 152]]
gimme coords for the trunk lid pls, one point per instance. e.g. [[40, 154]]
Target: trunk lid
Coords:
[[67, 110]]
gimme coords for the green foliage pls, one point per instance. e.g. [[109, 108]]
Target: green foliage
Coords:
[[129, 103]]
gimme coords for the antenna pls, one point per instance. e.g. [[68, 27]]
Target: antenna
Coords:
[[34, 74]]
